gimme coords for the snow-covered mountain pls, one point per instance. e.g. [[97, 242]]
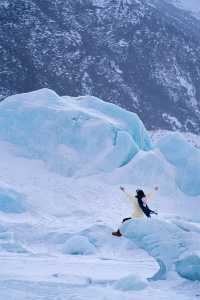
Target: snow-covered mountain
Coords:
[[143, 55], [192, 6], [62, 161]]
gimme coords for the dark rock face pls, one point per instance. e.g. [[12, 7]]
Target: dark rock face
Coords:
[[143, 55]]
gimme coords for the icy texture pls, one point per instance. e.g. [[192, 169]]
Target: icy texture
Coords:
[[161, 239], [73, 135], [12, 247], [78, 245], [69, 216], [11, 202], [8, 243], [129, 283], [186, 160], [100, 236], [189, 267], [146, 169]]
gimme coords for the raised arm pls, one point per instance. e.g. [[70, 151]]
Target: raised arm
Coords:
[[151, 195], [128, 195]]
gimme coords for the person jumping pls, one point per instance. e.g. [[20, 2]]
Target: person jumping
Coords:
[[140, 207]]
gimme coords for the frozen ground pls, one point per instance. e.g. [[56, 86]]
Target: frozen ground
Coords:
[[55, 229]]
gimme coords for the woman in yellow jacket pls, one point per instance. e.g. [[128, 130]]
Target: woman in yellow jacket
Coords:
[[140, 207]]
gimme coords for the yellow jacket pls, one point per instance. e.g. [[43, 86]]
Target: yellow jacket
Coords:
[[137, 211]]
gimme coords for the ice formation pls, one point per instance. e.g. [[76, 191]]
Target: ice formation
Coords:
[[130, 282], [78, 245], [189, 267], [73, 135], [186, 160], [11, 201], [163, 240], [57, 219]]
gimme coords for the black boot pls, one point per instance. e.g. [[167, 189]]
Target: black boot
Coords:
[[117, 233]]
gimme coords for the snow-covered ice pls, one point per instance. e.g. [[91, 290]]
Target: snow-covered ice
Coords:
[[189, 267], [130, 283], [186, 159], [78, 245], [84, 135], [62, 161], [11, 202], [162, 239]]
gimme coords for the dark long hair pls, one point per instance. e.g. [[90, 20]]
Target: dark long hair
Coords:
[[140, 194]]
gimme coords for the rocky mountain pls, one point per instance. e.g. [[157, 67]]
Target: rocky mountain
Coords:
[[141, 54]]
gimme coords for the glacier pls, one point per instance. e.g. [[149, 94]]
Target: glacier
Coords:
[[84, 135], [62, 161], [186, 159]]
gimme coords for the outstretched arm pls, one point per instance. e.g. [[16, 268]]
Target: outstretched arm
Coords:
[[151, 195], [129, 195]]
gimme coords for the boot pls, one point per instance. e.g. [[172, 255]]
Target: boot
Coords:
[[117, 233]]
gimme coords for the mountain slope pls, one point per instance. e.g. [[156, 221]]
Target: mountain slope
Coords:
[[143, 55], [191, 6]]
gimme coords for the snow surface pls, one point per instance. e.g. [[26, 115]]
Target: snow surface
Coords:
[[62, 161]]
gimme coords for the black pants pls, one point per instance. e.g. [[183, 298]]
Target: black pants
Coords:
[[126, 219]]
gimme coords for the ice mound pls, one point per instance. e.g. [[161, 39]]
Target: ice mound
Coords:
[[189, 267], [78, 245], [8, 243], [11, 202], [101, 237], [161, 239], [130, 283], [98, 235], [72, 135], [186, 160], [146, 169], [12, 247]]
